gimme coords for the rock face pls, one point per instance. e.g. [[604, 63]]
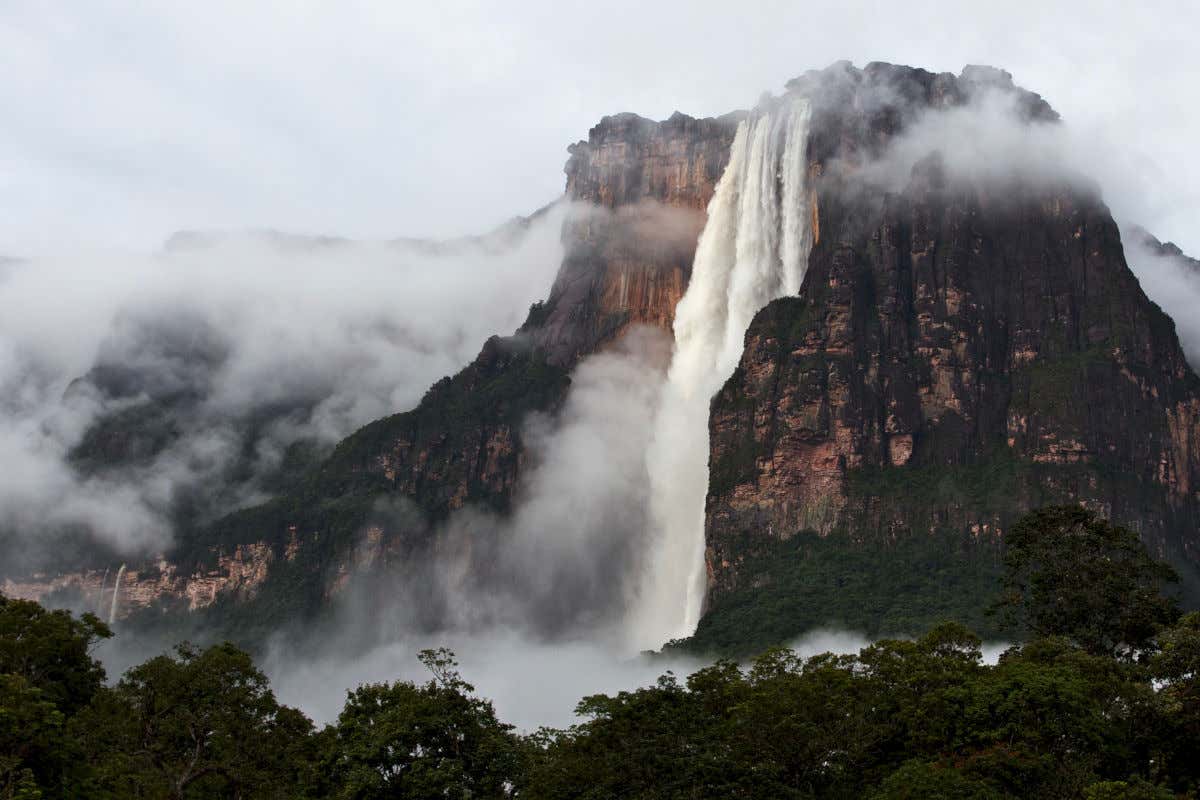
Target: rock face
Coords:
[[1164, 249], [639, 189], [642, 187], [236, 574], [960, 352]]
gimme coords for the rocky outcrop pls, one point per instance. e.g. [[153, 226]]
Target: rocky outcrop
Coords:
[[641, 189], [1162, 249], [463, 441], [638, 190], [960, 352], [235, 575]]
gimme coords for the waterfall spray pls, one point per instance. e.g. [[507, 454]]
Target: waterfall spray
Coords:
[[112, 610], [754, 248]]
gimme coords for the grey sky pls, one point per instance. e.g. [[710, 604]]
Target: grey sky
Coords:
[[128, 120]]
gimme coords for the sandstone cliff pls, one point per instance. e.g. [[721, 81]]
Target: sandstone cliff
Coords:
[[961, 352], [638, 190], [642, 188]]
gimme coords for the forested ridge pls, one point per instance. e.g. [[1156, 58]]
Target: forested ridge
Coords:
[[1100, 699]]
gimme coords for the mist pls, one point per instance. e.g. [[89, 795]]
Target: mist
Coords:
[[230, 349], [1171, 279], [532, 683], [271, 342], [988, 143]]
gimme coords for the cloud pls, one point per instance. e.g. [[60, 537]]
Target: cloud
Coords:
[[1171, 279], [222, 351], [532, 682], [563, 562], [375, 120]]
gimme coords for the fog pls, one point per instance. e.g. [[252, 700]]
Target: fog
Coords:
[[987, 142], [531, 683], [374, 121], [1171, 279], [251, 342]]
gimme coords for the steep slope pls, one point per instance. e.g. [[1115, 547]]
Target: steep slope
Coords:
[[642, 187], [638, 190], [961, 351]]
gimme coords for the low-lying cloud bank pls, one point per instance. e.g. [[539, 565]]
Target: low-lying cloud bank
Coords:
[[1171, 279], [532, 682], [228, 349], [988, 142]]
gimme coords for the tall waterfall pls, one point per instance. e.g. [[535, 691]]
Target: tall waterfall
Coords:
[[112, 610], [754, 248]]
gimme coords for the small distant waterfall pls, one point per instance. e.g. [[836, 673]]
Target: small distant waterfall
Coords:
[[112, 610], [754, 248]]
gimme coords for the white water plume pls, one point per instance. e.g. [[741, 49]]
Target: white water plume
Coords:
[[754, 248], [112, 610]]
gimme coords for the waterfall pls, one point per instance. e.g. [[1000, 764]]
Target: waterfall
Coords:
[[112, 610], [754, 248]]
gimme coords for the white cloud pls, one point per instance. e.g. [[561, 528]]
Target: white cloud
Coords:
[[379, 119], [337, 334]]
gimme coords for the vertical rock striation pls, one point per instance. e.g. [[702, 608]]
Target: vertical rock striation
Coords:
[[961, 351], [640, 189]]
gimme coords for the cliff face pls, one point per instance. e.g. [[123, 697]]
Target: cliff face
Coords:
[[236, 574], [960, 352], [638, 190], [642, 188]]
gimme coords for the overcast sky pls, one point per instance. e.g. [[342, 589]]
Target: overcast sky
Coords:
[[125, 121]]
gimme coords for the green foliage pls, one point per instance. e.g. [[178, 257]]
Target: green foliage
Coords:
[[1071, 573], [1135, 789], [51, 651], [401, 740], [922, 780], [992, 482], [810, 581], [1066, 714], [1058, 386], [32, 746], [498, 387], [201, 723]]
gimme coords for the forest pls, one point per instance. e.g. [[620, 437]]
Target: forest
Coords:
[[1099, 698]]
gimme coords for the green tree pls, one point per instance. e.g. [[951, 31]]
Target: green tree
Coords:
[[1071, 573], [201, 723], [920, 780], [47, 673], [669, 740], [1133, 789], [1176, 667], [436, 740], [32, 748], [52, 651]]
